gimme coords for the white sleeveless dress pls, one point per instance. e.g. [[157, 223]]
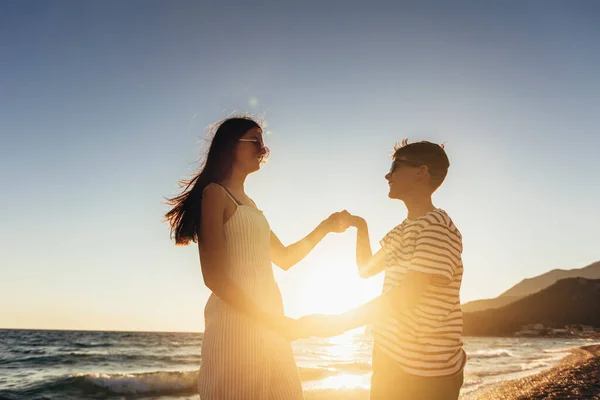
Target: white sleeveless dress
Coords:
[[241, 359]]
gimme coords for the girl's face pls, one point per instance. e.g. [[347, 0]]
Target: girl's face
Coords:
[[250, 151]]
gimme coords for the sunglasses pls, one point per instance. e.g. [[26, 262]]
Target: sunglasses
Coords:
[[260, 146], [410, 163]]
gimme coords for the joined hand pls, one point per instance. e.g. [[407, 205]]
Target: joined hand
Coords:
[[321, 325], [340, 221]]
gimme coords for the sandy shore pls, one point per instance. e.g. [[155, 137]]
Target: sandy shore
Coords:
[[577, 376]]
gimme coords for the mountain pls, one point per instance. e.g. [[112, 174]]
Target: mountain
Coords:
[[486, 304], [533, 285], [566, 302]]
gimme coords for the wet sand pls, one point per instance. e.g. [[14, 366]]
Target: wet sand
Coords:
[[577, 376]]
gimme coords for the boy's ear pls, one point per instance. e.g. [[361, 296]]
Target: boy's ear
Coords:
[[424, 173]]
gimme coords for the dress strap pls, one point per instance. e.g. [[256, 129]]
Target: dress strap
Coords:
[[232, 197], [253, 203]]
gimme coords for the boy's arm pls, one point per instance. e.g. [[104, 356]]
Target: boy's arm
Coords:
[[405, 296], [436, 255], [369, 264], [402, 297]]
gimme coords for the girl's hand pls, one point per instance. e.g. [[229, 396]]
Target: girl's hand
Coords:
[[337, 222]]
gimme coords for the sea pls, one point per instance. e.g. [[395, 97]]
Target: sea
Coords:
[[53, 365]]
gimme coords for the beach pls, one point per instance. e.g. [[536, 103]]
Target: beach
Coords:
[[80, 365], [577, 376]]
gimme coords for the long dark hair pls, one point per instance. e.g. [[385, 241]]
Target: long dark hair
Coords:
[[185, 216]]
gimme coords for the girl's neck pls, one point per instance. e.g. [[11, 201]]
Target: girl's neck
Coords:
[[235, 182]]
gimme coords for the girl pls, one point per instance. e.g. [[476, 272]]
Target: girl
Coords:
[[246, 352]]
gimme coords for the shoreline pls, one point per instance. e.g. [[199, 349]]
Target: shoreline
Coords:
[[577, 376]]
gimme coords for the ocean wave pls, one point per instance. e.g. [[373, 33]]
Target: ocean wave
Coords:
[[514, 368], [500, 371], [159, 383], [563, 349], [74, 358], [162, 383], [315, 374], [560, 350], [350, 367], [537, 364], [28, 351], [327, 370], [471, 380], [43, 360], [491, 354], [84, 345]]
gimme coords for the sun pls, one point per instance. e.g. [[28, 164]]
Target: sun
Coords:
[[336, 288]]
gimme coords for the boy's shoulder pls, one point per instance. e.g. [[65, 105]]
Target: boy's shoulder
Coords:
[[440, 220], [437, 220]]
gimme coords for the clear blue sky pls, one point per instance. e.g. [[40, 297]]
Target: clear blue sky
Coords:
[[103, 108]]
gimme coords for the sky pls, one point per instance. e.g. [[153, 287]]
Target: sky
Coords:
[[104, 107]]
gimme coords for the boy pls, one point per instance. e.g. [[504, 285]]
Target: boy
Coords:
[[417, 321]]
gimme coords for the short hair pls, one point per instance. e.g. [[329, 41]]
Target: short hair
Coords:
[[430, 154]]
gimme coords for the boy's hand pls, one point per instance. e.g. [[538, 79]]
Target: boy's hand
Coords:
[[321, 325], [338, 222], [356, 221], [289, 328]]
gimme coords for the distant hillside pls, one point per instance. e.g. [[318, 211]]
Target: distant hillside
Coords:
[[568, 301], [533, 285], [487, 304]]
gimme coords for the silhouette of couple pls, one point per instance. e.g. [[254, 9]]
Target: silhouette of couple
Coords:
[[416, 321]]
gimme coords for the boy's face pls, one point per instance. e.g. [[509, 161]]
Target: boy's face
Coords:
[[406, 177]]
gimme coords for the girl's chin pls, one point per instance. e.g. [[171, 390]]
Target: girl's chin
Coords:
[[255, 167]]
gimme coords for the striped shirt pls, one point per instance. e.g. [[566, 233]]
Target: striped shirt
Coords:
[[427, 339]]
